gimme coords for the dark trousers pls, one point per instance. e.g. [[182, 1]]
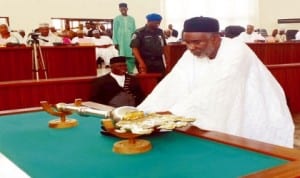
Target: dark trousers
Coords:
[[154, 64]]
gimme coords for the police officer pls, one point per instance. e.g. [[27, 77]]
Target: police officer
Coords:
[[148, 46]]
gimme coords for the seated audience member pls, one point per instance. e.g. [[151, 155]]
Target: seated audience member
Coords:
[[46, 38], [87, 27], [105, 48], [173, 32], [23, 36], [66, 39], [223, 84], [297, 36], [20, 35], [117, 88], [6, 38], [169, 37], [273, 37], [53, 31], [80, 27], [104, 31], [82, 40], [68, 32], [93, 27], [250, 36], [281, 37]]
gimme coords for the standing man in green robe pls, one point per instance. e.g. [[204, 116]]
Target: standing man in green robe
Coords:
[[123, 28]]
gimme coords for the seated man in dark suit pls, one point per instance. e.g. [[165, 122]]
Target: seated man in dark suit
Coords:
[[174, 32], [117, 88]]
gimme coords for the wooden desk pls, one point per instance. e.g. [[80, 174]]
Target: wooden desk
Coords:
[[173, 53], [15, 63], [65, 61], [277, 53], [288, 77], [70, 61], [29, 93], [27, 141], [268, 53]]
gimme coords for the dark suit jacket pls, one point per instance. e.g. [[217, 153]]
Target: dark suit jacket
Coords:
[[174, 33], [106, 87]]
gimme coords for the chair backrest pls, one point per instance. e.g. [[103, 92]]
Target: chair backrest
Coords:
[[232, 31], [263, 32], [290, 34]]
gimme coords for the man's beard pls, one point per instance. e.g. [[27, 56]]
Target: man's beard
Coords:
[[201, 56]]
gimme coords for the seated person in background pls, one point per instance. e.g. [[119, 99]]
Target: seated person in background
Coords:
[[66, 39], [53, 31], [297, 36], [250, 36], [80, 27], [105, 48], [173, 32], [169, 37], [22, 36], [67, 31], [104, 31], [273, 37], [223, 84], [281, 37], [148, 46], [93, 27], [46, 38], [81, 39], [87, 27], [6, 38], [117, 88]]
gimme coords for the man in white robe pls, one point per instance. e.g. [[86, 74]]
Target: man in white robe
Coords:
[[250, 36], [6, 37], [46, 38], [104, 47], [223, 84]]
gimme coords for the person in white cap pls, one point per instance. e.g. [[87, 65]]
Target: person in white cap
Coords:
[[6, 37], [46, 38]]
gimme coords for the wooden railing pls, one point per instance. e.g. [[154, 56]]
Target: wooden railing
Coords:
[[288, 77], [16, 63], [29, 93]]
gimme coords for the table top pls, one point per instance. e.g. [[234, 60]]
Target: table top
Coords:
[[82, 151]]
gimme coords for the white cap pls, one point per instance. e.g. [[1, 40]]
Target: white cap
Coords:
[[43, 25]]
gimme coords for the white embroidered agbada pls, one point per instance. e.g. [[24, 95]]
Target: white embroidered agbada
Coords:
[[233, 93], [105, 53]]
